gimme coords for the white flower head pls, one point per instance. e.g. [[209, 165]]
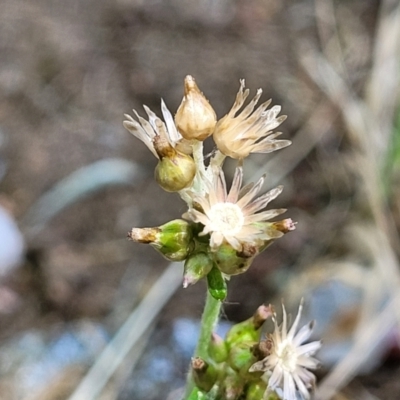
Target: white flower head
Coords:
[[288, 364], [233, 216], [248, 132], [147, 131]]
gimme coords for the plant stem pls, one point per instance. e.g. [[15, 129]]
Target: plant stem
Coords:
[[218, 159], [197, 184], [209, 320]]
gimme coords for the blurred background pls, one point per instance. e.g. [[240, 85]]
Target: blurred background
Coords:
[[73, 182]]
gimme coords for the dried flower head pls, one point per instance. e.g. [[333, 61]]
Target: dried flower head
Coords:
[[154, 133], [233, 217], [249, 132], [195, 117], [288, 363]]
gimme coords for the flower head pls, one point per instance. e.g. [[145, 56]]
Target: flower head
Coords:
[[175, 169], [154, 133], [232, 217], [248, 132], [195, 117], [288, 363]]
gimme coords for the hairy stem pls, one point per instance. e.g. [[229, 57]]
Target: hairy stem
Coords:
[[209, 320]]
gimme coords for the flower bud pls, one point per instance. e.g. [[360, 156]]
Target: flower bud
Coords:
[[284, 226], [231, 262], [217, 349], [197, 394], [195, 118], [204, 374], [274, 230], [256, 390], [234, 385], [197, 266], [241, 359], [173, 239], [175, 171], [249, 330], [216, 284], [261, 315]]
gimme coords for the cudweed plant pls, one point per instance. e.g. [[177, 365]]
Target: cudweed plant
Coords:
[[219, 236]]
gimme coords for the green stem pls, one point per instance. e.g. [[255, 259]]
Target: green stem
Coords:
[[209, 320]]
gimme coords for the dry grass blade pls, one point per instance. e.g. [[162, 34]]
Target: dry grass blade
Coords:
[[369, 124], [328, 33], [81, 183], [359, 353], [382, 100], [129, 333]]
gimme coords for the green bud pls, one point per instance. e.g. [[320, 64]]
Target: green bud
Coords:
[[256, 391], [218, 349], [197, 266], [173, 239], [216, 284], [204, 374], [197, 394], [231, 262], [175, 170], [249, 330], [275, 230], [284, 226], [265, 245], [272, 396], [241, 358], [233, 385], [262, 313]]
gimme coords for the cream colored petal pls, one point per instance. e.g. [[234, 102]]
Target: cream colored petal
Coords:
[[276, 377], [301, 386], [293, 329], [284, 323], [173, 133], [245, 189], [303, 334], [236, 184], [233, 242], [267, 146], [310, 348], [262, 201], [152, 117], [151, 132], [250, 107], [264, 216], [259, 366], [240, 98], [220, 186], [307, 362], [251, 193], [289, 388], [216, 240], [306, 376], [197, 216], [137, 130]]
